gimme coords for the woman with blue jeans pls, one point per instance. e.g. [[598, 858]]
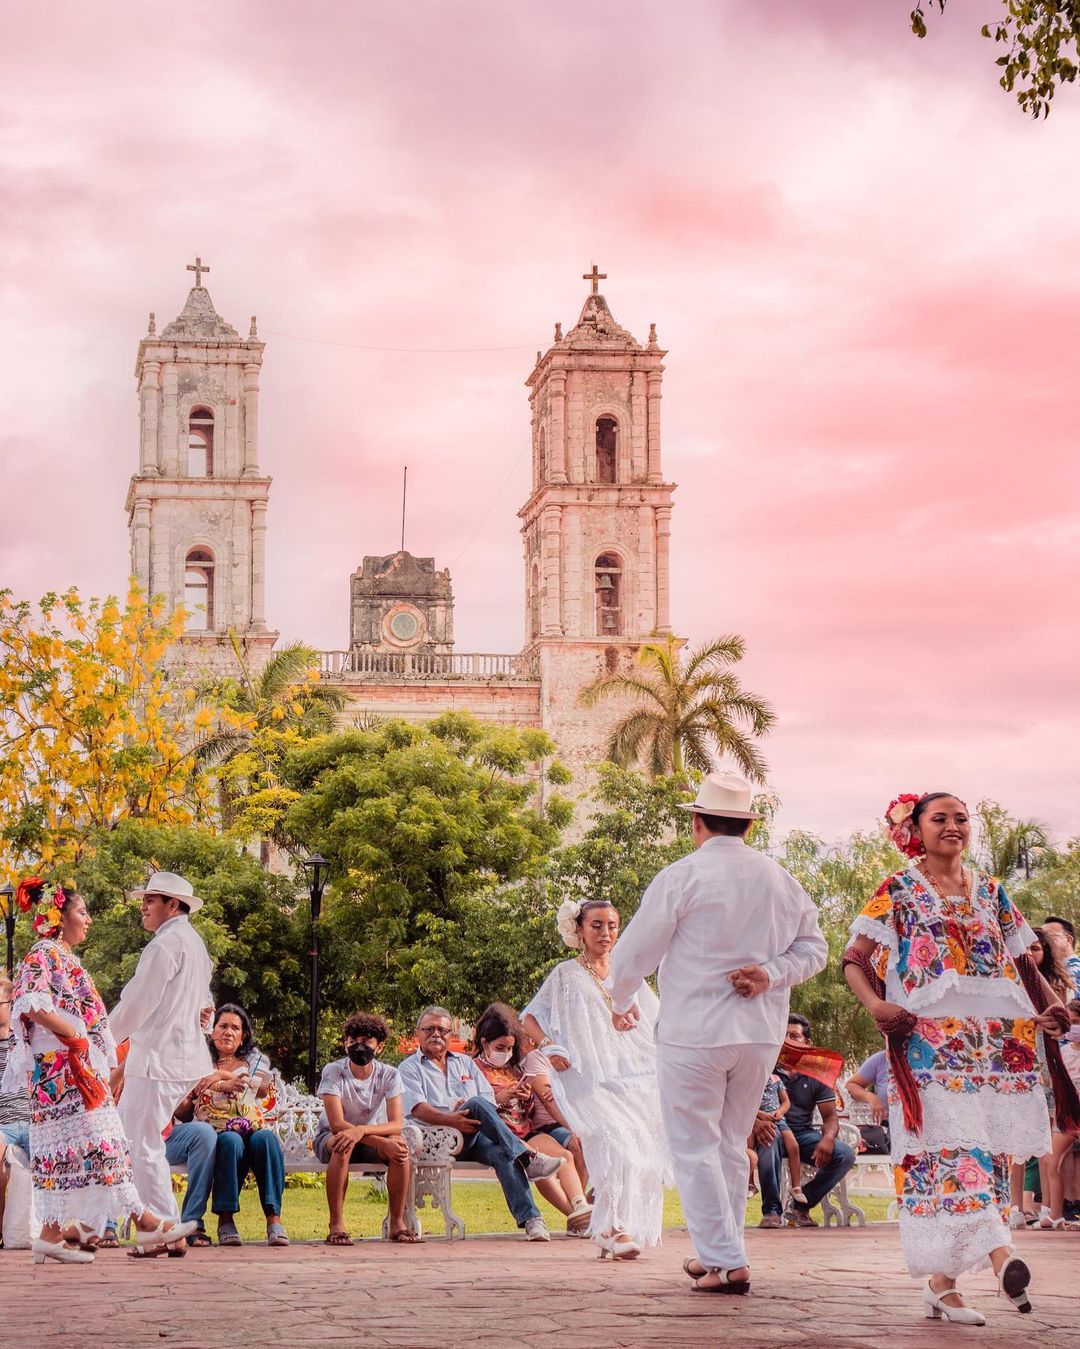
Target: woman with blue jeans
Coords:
[[238, 1065]]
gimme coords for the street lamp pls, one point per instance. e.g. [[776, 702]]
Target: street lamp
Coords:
[[7, 904], [318, 866]]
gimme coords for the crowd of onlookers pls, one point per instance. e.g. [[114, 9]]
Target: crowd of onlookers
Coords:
[[500, 1099]]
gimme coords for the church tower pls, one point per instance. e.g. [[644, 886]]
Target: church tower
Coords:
[[197, 505], [597, 523]]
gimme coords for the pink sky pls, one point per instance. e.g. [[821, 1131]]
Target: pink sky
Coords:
[[863, 259]]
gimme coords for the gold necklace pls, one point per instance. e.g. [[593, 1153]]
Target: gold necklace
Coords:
[[584, 960], [939, 885]]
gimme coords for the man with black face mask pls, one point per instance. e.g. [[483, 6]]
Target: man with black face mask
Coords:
[[352, 1089]]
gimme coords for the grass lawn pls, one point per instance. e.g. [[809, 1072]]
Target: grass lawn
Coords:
[[479, 1204]]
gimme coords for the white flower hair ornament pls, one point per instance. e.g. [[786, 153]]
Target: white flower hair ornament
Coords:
[[566, 922]]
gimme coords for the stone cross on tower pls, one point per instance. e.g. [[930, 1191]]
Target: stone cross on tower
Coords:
[[595, 276], [198, 267]]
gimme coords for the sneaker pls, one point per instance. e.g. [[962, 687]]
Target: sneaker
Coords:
[[801, 1216], [536, 1230], [771, 1220], [540, 1166]]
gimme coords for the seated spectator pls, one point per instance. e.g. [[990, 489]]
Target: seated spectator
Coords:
[[546, 1113], [448, 1089], [189, 1143], [820, 1148], [227, 1099], [14, 1106], [869, 1085], [354, 1092], [1063, 935], [499, 1040], [775, 1103]]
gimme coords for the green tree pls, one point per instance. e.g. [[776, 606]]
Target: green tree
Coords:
[[1053, 888], [428, 829], [251, 722], [1041, 41], [635, 831], [840, 881], [1006, 845], [252, 926], [693, 709]]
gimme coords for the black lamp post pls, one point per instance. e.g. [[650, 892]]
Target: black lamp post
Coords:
[[318, 866], [7, 895]]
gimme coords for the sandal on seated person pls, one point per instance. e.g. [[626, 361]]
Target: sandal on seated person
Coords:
[[227, 1235], [339, 1239], [276, 1235], [405, 1234]]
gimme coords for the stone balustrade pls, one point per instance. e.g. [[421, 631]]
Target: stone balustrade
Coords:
[[361, 666]]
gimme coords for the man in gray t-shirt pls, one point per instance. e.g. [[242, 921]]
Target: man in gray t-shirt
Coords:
[[362, 1122]]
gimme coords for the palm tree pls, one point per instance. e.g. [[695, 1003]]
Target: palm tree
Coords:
[[1009, 845], [281, 698], [694, 710]]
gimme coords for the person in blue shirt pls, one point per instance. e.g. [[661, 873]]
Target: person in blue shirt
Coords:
[[448, 1089]]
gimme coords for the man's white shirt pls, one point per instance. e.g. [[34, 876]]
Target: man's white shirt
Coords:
[[160, 1006], [719, 908]]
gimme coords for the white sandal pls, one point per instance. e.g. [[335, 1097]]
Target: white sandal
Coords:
[[165, 1236]]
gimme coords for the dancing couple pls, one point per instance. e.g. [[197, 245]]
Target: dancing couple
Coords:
[[82, 1148]]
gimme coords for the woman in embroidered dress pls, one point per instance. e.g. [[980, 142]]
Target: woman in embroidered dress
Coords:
[[605, 1083], [80, 1167], [965, 1090]]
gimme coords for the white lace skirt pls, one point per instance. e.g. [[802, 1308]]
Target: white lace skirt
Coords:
[[983, 1104], [79, 1159], [622, 1137]]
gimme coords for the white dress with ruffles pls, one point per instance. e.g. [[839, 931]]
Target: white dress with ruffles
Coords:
[[610, 1099]]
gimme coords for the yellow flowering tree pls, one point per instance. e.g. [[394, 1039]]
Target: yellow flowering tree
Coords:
[[92, 730]]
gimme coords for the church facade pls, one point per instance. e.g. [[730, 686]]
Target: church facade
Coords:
[[596, 530]]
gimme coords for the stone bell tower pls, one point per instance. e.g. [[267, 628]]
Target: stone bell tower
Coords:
[[197, 504], [597, 523]]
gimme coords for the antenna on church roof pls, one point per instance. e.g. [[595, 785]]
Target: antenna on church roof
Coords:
[[404, 484]]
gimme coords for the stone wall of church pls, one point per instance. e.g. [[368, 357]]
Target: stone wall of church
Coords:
[[504, 704]]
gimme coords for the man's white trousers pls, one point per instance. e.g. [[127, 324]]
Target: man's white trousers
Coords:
[[709, 1098], [145, 1108]]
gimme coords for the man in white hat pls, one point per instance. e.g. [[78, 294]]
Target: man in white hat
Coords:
[[161, 1012], [731, 931]]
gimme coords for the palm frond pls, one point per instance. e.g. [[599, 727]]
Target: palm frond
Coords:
[[611, 685], [723, 651]]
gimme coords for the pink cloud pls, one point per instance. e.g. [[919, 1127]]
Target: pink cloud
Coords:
[[861, 255]]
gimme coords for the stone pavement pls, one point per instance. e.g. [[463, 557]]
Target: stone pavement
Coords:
[[810, 1289]]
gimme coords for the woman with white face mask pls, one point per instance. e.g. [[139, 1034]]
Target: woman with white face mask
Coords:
[[499, 1037]]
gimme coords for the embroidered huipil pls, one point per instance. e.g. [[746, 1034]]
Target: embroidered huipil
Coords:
[[950, 960], [80, 1165]]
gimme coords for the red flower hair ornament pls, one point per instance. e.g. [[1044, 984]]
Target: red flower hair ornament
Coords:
[[899, 827]]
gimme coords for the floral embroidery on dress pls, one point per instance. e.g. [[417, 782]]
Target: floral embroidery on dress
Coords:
[[954, 1181], [935, 939], [965, 1054]]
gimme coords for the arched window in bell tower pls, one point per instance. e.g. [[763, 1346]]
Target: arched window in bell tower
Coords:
[[607, 436], [541, 458], [199, 590], [200, 456], [609, 594]]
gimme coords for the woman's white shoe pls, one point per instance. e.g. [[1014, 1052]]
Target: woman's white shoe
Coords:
[[618, 1246], [1017, 1221], [937, 1310], [1014, 1279], [165, 1236], [56, 1250]]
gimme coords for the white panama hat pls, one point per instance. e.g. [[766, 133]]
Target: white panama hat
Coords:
[[169, 883], [726, 795]]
